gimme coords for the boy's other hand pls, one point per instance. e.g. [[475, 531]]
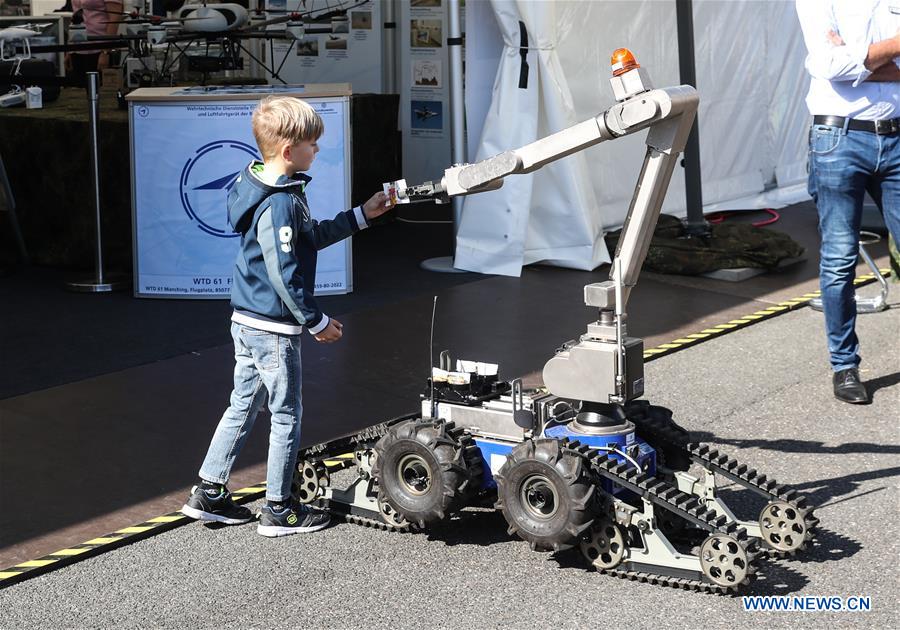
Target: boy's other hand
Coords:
[[332, 332], [377, 205]]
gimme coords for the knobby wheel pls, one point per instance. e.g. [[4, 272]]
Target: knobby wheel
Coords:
[[426, 470], [783, 527], [545, 494], [724, 561], [390, 515], [603, 544], [310, 481]]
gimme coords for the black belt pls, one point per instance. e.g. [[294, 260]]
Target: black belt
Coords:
[[878, 127]]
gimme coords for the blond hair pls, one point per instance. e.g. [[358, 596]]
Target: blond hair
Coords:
[[279, 119]]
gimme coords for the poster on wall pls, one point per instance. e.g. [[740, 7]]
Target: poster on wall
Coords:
[[425, 91], [186, 157], [350, 50]]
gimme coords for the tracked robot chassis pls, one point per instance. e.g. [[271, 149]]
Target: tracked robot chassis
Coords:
[[609, 493]]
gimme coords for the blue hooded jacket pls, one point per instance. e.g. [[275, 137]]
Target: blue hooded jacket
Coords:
[[275, 271]]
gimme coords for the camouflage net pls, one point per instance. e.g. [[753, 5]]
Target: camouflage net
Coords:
[[729, 246]]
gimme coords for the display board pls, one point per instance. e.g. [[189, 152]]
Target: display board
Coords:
[[424, 65], [188, 147], [351, 52]]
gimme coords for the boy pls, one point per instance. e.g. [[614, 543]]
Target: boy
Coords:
[[273, 301]]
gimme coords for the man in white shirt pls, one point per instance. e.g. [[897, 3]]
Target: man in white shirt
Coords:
[[854, 148]]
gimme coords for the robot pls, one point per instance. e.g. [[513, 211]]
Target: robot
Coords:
[[581, 462]]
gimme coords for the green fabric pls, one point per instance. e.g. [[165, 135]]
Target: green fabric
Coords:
[[729, 246]]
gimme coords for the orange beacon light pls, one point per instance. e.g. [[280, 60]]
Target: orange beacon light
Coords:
[[622, 61]]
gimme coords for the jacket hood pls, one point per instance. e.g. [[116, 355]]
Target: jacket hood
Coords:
[[249, 192]]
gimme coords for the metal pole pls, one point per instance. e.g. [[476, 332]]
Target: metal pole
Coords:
[[93, 87], [457, 125], [390, 51], [98, 283], [457, 98], [696, 225]]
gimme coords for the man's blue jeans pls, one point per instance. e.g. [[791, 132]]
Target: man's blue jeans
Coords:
[[264, 362], [843, 166]]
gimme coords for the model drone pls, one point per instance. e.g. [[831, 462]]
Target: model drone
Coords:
[[14, 40]]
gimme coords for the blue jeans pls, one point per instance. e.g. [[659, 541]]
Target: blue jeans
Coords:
[[843, 166], [264, 362]]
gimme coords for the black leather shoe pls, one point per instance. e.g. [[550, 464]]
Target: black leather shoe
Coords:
[[848, 387]]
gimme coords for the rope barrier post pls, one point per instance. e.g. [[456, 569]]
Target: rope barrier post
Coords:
[[98, 283]]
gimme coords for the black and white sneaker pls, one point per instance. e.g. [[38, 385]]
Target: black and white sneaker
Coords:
[[215, 505], [299, 520]]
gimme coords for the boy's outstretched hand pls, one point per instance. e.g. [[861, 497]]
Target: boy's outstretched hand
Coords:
[[332, 332], [376, 206]]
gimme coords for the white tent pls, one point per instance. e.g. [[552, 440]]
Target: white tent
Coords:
[[753, 120]]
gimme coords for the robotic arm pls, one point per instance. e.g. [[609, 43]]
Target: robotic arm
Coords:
[[604, 367]]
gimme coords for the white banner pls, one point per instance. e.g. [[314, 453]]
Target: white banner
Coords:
[[186, 157]]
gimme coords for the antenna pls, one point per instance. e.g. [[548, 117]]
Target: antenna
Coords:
[[431, 356]]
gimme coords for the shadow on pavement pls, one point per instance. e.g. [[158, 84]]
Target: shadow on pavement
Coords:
[[798, 446]]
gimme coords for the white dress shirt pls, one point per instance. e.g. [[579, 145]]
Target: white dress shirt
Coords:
[[838, 85]]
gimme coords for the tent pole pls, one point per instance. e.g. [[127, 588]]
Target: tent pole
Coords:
[[457, 125], [696, 225], [390, 47], [457, 98]]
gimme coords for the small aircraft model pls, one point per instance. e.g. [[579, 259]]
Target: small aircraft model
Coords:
[[424, 113]]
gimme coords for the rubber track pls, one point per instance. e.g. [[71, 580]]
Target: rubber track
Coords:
[[363, 521], [668, 497], [358, 441], [730, 468]]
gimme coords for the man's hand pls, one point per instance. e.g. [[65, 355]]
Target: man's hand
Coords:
[[332, 332], [376, 206], [889, 72]]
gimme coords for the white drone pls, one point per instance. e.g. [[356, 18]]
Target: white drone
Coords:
[[19, 36]]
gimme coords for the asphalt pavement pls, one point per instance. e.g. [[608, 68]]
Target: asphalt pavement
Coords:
[[761, 394]]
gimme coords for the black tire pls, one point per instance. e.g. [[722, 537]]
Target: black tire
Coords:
[[546, 494], [426, 469]]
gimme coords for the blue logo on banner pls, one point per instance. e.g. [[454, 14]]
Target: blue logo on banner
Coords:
[[206, 180]]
